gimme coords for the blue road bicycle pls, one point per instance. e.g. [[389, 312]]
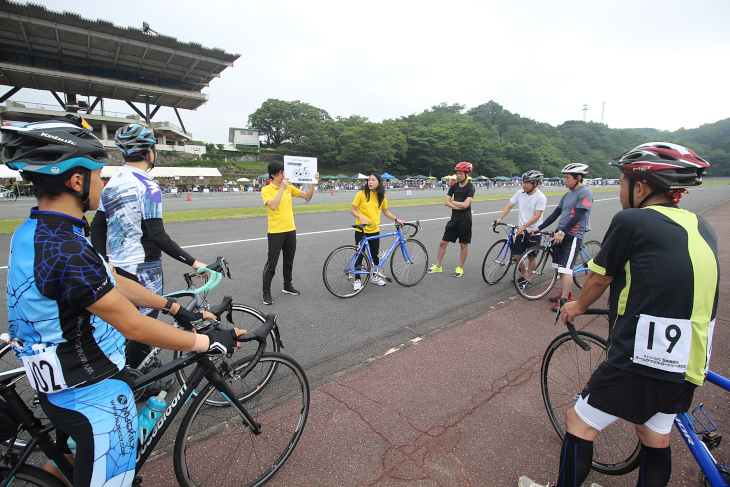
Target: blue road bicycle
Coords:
[[541, 273], [500, 256], [344, 278], [569, 362]]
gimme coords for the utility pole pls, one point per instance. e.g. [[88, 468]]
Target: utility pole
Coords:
[[585, 112]]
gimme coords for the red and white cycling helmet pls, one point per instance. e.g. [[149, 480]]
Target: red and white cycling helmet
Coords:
[[464, 167], [665, 164]]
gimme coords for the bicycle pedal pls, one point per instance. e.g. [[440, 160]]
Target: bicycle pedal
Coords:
[[712, 440]]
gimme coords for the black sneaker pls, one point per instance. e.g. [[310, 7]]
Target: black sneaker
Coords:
[[289, 289], [158, 386], [267, 299]]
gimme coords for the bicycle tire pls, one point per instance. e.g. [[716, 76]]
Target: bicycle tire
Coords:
[[565, 371], [210, 450], [245, 318], [408, 273], [543, 277], [497, 261], [580, 267], [337, 279], [10, 196], [30, 475]]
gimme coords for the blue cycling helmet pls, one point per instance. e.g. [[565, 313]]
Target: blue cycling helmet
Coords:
[[52, 147], [134, 140]]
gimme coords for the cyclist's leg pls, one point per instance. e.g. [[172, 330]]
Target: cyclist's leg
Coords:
[[359, 236], [656, 455], [102, 420], [374, 247], [149, 275], [464, 240]]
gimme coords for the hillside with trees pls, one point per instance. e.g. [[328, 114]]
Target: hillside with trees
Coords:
[[497, 141]]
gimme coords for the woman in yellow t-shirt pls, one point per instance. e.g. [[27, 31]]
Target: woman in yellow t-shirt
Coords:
[[366, 208]]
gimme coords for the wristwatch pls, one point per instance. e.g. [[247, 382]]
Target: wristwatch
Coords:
[[561, 233]]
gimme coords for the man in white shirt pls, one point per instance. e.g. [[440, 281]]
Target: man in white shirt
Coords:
[[531, 205]]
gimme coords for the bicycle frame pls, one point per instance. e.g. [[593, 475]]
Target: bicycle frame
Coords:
[[205, 368], [364, 247], [699, 449]]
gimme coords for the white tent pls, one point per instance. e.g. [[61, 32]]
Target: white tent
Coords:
[[359, 176], [6, 172], [243, 180]]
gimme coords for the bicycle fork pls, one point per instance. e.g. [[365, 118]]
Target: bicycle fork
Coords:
[[215, 378]]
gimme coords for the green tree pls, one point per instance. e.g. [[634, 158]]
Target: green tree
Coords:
[[274, 117], [371, 146]]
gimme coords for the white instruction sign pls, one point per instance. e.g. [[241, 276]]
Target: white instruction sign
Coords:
[[300, 169]]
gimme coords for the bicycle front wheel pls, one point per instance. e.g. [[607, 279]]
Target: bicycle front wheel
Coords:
[[214, 450], [587, 251], [30, 475], [496, 262], [337, 272], [542, 277], [409, 262], [565, 371], [10, 196], [245, 318]]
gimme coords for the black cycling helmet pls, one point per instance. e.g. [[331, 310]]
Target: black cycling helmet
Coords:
[[52, 147], [532, 176], [664, 164], [135, 140], [42, 150]]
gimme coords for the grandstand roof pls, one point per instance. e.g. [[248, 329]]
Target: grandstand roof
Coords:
[[64, 52]]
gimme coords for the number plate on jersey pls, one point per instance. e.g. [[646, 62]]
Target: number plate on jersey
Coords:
[[44, 372], [663, 343]]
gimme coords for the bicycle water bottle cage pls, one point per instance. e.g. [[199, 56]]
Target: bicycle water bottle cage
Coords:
[[709, 434]]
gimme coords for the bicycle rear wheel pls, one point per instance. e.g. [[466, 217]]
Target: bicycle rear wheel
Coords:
[[587, 251], [30, 475], [337, 275], [409, 271], [565, 371], [496, 262], [543, 275], [10, 196], [214, 450], [245, 318]]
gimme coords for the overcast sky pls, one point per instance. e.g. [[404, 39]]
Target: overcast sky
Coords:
[[655, 63]]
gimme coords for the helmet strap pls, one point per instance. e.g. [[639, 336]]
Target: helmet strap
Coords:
[[85, 193]]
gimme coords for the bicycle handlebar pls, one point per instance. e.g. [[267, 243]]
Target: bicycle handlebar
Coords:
[[571, 326], [495, 225], [398, 226]]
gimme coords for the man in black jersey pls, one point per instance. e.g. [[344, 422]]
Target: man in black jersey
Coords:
[[459, 199], [661, 329]]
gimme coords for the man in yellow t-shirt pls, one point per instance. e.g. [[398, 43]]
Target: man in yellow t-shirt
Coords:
[[282, 235]]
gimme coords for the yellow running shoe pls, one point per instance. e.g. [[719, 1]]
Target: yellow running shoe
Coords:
[[434, 269], [458, 272]]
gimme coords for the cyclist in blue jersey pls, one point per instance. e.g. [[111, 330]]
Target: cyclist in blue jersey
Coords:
[[71, 312], [574, 211], [660, 338], [130, 213]]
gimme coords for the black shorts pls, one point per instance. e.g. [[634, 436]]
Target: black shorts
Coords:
[[565, 253], [522, 244], [460, 229], [636, 398]]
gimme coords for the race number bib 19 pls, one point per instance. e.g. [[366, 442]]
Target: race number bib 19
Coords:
[[663, 343], [44, 372]]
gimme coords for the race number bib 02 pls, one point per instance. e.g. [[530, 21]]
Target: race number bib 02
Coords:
[[44, 372], [663, 343]]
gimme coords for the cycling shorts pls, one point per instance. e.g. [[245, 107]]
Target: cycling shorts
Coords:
[[102, 420], [521, 243], [148, 274], [638, 399], [564, 254], [460, 229]]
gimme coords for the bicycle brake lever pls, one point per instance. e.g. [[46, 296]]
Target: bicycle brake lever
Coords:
[[571, 327]]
